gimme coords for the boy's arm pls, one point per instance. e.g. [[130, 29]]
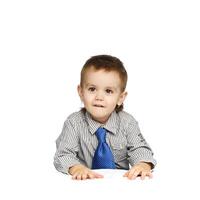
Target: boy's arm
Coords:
[[138, 149], [67, 148]]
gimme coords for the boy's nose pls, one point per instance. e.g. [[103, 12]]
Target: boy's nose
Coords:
[[99, 96]]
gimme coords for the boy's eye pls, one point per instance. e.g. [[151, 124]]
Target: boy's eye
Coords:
[[109, 91], [91, 89]]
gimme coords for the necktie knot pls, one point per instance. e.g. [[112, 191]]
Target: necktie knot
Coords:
[[101, 134]]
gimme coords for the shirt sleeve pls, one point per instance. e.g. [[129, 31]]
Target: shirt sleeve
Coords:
[[67, 148], [138, 149]]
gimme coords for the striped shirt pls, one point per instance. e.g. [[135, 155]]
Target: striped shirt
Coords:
[[78, 142]]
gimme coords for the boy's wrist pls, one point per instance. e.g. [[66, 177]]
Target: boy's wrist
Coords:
[[73, 168], [147, 164]]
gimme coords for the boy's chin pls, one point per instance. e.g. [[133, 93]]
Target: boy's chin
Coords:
[[100, 117]]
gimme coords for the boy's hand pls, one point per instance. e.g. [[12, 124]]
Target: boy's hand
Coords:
[[80, 172], [142, 168]]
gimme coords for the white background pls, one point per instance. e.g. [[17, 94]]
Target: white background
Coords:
[[43, 46]]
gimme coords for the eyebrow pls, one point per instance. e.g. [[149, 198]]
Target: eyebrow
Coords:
[[108, 87], [89, 84]]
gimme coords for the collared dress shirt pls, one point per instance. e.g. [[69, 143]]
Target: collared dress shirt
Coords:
[[78, 142]]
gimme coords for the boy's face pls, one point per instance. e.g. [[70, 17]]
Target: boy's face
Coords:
[[100, 93]]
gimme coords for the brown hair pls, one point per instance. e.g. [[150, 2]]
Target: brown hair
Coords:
[[107, 63]]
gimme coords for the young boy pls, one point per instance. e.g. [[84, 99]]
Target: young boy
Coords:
[[101, 135]]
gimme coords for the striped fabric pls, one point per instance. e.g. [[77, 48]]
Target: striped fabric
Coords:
[[78, 142]]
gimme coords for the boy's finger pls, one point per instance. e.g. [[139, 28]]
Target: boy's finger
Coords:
[[134, 174], [143, 175], [79, 177], [74, 176], [90, 176], [98, 175], [84, 176], [126, 174], [129, 173], [150, 175]]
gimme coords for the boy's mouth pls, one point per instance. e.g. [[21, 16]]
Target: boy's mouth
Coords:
[[98, 106]]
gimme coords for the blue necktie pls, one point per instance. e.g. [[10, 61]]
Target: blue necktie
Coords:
[[103, 157]]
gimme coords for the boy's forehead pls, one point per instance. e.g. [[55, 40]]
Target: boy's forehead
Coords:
[[102, 77]]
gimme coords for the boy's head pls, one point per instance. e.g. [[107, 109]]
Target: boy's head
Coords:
[[102, 86]]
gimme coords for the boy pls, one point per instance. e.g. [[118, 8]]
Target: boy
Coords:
[[101, 135]]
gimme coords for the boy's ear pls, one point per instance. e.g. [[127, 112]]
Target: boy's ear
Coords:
[[122, 98], [80, 92]]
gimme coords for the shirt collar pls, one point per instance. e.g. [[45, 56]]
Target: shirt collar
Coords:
[[111, 125]]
